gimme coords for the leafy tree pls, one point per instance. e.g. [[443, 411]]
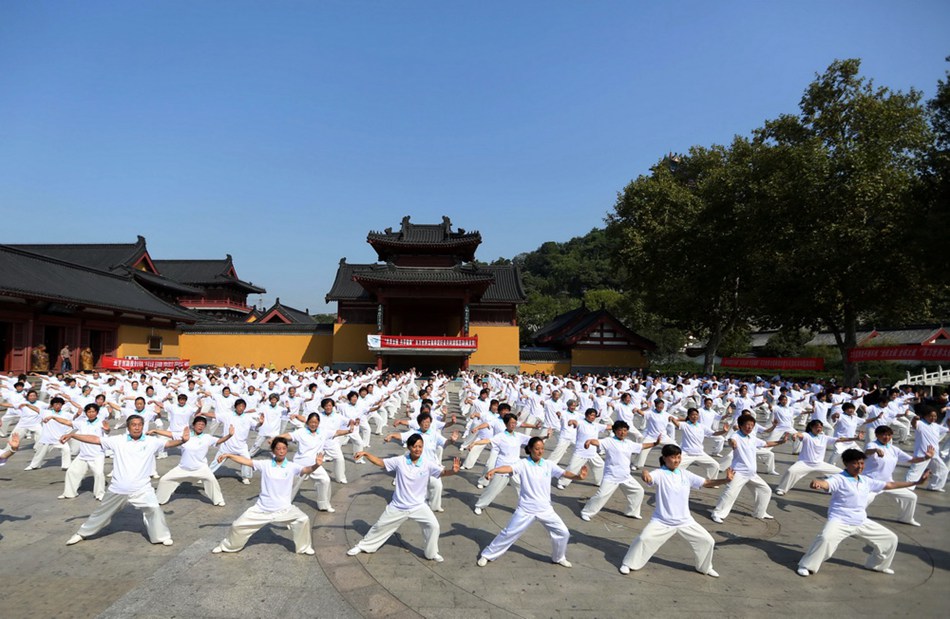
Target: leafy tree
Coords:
[[686, 233], [843, 182], [736, 341], [539, 310], [787, 343]]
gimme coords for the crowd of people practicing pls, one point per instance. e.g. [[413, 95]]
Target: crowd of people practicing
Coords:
[[518, 428]]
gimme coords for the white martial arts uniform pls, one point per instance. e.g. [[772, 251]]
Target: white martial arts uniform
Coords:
[[882, 468], [90, 457], [192, 468], [132, 465], [691, 441], [744, 466], [617, 456], [408, 503], [583, 455], [847, 516], [534, 502], [929, 435], [309, 446], [506, 449], [273, 506], [672, 516], [810, 460]]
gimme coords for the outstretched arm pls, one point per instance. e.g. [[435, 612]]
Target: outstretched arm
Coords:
[[373, 459], [239, 459], [712, 483], [82, 438], [456, 465], [894, 485], [581, 475]]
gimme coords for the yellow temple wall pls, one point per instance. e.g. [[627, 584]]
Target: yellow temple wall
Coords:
[[132, 341], [497, 345], [277, 349], [349, 343], [546, 367]]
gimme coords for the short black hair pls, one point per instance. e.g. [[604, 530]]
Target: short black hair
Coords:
[[852, 455]]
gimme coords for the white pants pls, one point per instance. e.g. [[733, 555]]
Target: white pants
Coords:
[[332, 451], [321, 484], [938, 472], [906, 501], [473, 453], [559, 450], [143, 500], [901, 428], [44, 448], [252, 520], [492, 459], [577, 462], [495, 486], [760, 491], [76, 472], [704, 459], [170, 481], [883, 540], [642, 458], [800, 469], [519, 523], [632, 489], [390, 521], [655, 534]]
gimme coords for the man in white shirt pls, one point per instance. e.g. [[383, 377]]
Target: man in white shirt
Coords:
[[193, 466], [89, 456], [132, 463], [274, 505]]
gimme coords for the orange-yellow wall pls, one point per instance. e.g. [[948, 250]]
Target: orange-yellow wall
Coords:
[[283, 351], [349, 343], [497, 345], [587, 357], [546, 367], [133, 342]]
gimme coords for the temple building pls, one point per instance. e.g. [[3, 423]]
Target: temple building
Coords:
[[220, 293], [427, 303]]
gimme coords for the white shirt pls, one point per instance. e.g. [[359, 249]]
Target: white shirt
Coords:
[[277, 482], [89, 452], [194, 451], [617, 458], [672, 495], [927, 435], [743, 456], [131, 461], [882, 468], [309, 444], [813, 448], [849, 497], [508, 446], [412, 480], [534, 497]]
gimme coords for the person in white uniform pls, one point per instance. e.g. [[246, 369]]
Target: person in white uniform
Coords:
[[847, 516], [193, 466], [534, 503], [275, 502], [90, 457], [745, 445], [693, 431], [412, 471], [927, 436], [617, 452], [506, 449], [672, 515], [813, 443], [133, 458], [311, 441], [587, 428], [881, 458], [56, 423]]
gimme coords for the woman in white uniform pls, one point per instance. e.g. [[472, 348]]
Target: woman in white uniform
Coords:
[[413, 471], [672, 515], [534, 502], [506, 449], [847, 516], [617, 452], [813, 443], [311, 441], [275, 503], [881, 458], [193, 466], [90, 456]]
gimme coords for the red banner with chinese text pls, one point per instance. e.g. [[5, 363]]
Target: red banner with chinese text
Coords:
[[774, 363], [122, 363], [933, 352], [427, 341]]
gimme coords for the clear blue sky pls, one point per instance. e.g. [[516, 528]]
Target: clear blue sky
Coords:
[[281, 132]]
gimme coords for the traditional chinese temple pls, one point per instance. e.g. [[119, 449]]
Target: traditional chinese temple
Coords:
[[426, 302]]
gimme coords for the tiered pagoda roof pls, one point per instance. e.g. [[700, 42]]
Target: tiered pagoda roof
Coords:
[[429, 239], [218, 272]]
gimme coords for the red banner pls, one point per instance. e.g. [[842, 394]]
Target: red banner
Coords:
[[422, 342], [933, 352], [774, 363], [123, 363]]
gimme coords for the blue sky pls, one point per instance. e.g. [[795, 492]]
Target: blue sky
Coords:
[[281, 132]]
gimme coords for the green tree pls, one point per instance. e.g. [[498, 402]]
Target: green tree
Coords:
[[686, 235], [842, 194], [787, 343]]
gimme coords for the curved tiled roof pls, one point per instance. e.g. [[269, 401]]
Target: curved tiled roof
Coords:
[[41, 277], [101, 256], [204, 273], [504, 281]]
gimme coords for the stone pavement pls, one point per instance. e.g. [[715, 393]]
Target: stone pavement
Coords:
[[118, 574]]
